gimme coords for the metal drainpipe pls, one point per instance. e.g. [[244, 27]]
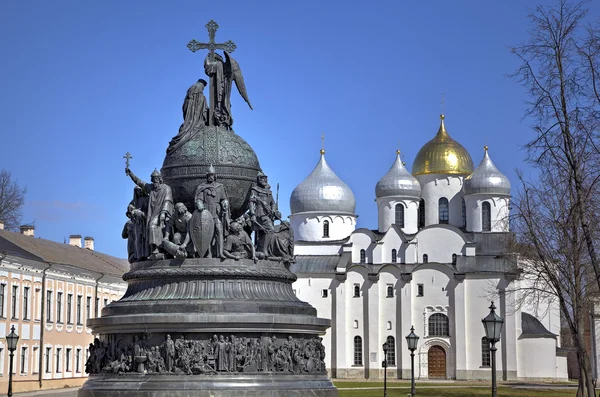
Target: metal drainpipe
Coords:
[[42, 326], [96, 301]]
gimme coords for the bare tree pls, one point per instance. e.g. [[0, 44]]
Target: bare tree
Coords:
[[12, 198], [556, 217]]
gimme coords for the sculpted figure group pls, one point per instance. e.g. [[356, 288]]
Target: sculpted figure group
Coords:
[[208, 356], [157, 228]]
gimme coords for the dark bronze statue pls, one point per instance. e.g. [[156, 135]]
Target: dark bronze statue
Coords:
[[177, 241], [129, 234], [212, 197], [195, 115], [263, 211], [238, 244], [222, 74], [160, 208], [138, 208]]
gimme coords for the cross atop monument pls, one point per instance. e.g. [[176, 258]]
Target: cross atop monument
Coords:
[[127, 157], [211, 46]]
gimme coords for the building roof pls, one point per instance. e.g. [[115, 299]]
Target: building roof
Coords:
[[533, 328], [322, 191], [442, 155], [398, 182], [487, 179], [36, 250], [319, 263]]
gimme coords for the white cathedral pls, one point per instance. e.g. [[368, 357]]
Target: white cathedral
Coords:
[[436, 260]]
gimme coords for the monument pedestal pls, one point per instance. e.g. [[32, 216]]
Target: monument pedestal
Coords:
[[208, 327]]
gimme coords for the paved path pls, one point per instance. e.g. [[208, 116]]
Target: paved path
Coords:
[[69, 392]]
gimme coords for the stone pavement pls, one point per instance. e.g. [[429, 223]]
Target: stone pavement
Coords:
[[67, 392]]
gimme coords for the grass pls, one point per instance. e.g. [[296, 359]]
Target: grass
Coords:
[[451, 389]]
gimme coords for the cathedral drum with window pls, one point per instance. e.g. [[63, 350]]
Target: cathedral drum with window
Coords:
[[438, 256]]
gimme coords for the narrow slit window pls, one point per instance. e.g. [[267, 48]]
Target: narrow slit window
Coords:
[[394, 256], [363, 256], [399, 215], [443, 210], [325, 228], [486, 217], [421, 213]]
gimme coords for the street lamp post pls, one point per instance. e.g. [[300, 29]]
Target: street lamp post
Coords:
[[11, 342], [412, 339], [384, 364], [492, 324]]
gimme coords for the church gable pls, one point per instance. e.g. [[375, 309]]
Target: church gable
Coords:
[[439, 243]]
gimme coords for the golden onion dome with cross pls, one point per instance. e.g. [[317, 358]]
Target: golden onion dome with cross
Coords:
[[442, 155]]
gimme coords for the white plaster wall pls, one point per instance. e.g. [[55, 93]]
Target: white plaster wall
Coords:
[[302, 248], [436, 186], [309, 289], [362, 240], [435, 297], [439, 244], [477, 301], [536, 358], [355, 311], [499, 207], [387, 213], [308, 226], [390, 241]]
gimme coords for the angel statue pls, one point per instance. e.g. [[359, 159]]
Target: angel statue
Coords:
[[222, 73]]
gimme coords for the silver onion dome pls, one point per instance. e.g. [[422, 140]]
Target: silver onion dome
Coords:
[[398, 182], [487, 179], [322, 191]]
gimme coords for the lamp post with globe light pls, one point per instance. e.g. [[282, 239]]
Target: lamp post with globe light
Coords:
[[412, 339], [492, 323], [384, 365], [11, 342]]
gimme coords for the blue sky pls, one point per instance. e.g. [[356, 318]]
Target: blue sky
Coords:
[[86, 81]]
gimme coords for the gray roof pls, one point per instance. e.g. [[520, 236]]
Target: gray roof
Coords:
[[322, 191], [533, 328], [319, 263], [398, 182], [38, 250], [487, 179]]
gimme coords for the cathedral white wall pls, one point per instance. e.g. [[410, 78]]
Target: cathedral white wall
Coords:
[[362, 240], [357, 322], [499, 207], [308, 226], [303, 248], [436, 186], [386, 209], [537, 358], [430, 242], [310, 289]]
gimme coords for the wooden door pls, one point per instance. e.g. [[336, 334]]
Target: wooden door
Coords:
[[436, 358]]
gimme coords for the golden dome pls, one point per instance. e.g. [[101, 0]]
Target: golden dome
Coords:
[[442, 155]]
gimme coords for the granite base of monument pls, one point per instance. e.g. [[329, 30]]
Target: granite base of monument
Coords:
[[208, 327]]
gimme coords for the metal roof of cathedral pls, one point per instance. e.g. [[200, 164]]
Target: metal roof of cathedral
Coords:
[[37, 250], [322, 191], [533, 328], [398, 182], [487, 179], [442, 155]]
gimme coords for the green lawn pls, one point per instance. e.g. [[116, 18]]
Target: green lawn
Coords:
[[402, 389]]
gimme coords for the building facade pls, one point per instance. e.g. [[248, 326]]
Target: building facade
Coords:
[[48, 291], [437, 258]]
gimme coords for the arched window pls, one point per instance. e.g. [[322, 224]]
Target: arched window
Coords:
[[485, 352], [357, 350], [399, 220], [464, 212], [421, 213], [438, 325], [443, 210], [356, 291], [390, 356], [390, 291], [363, 256], [425, 258], [325, 228], [454, 259], [394, 255], [486, 217]]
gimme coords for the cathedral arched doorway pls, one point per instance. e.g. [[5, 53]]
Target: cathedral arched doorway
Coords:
[[436, 359]]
